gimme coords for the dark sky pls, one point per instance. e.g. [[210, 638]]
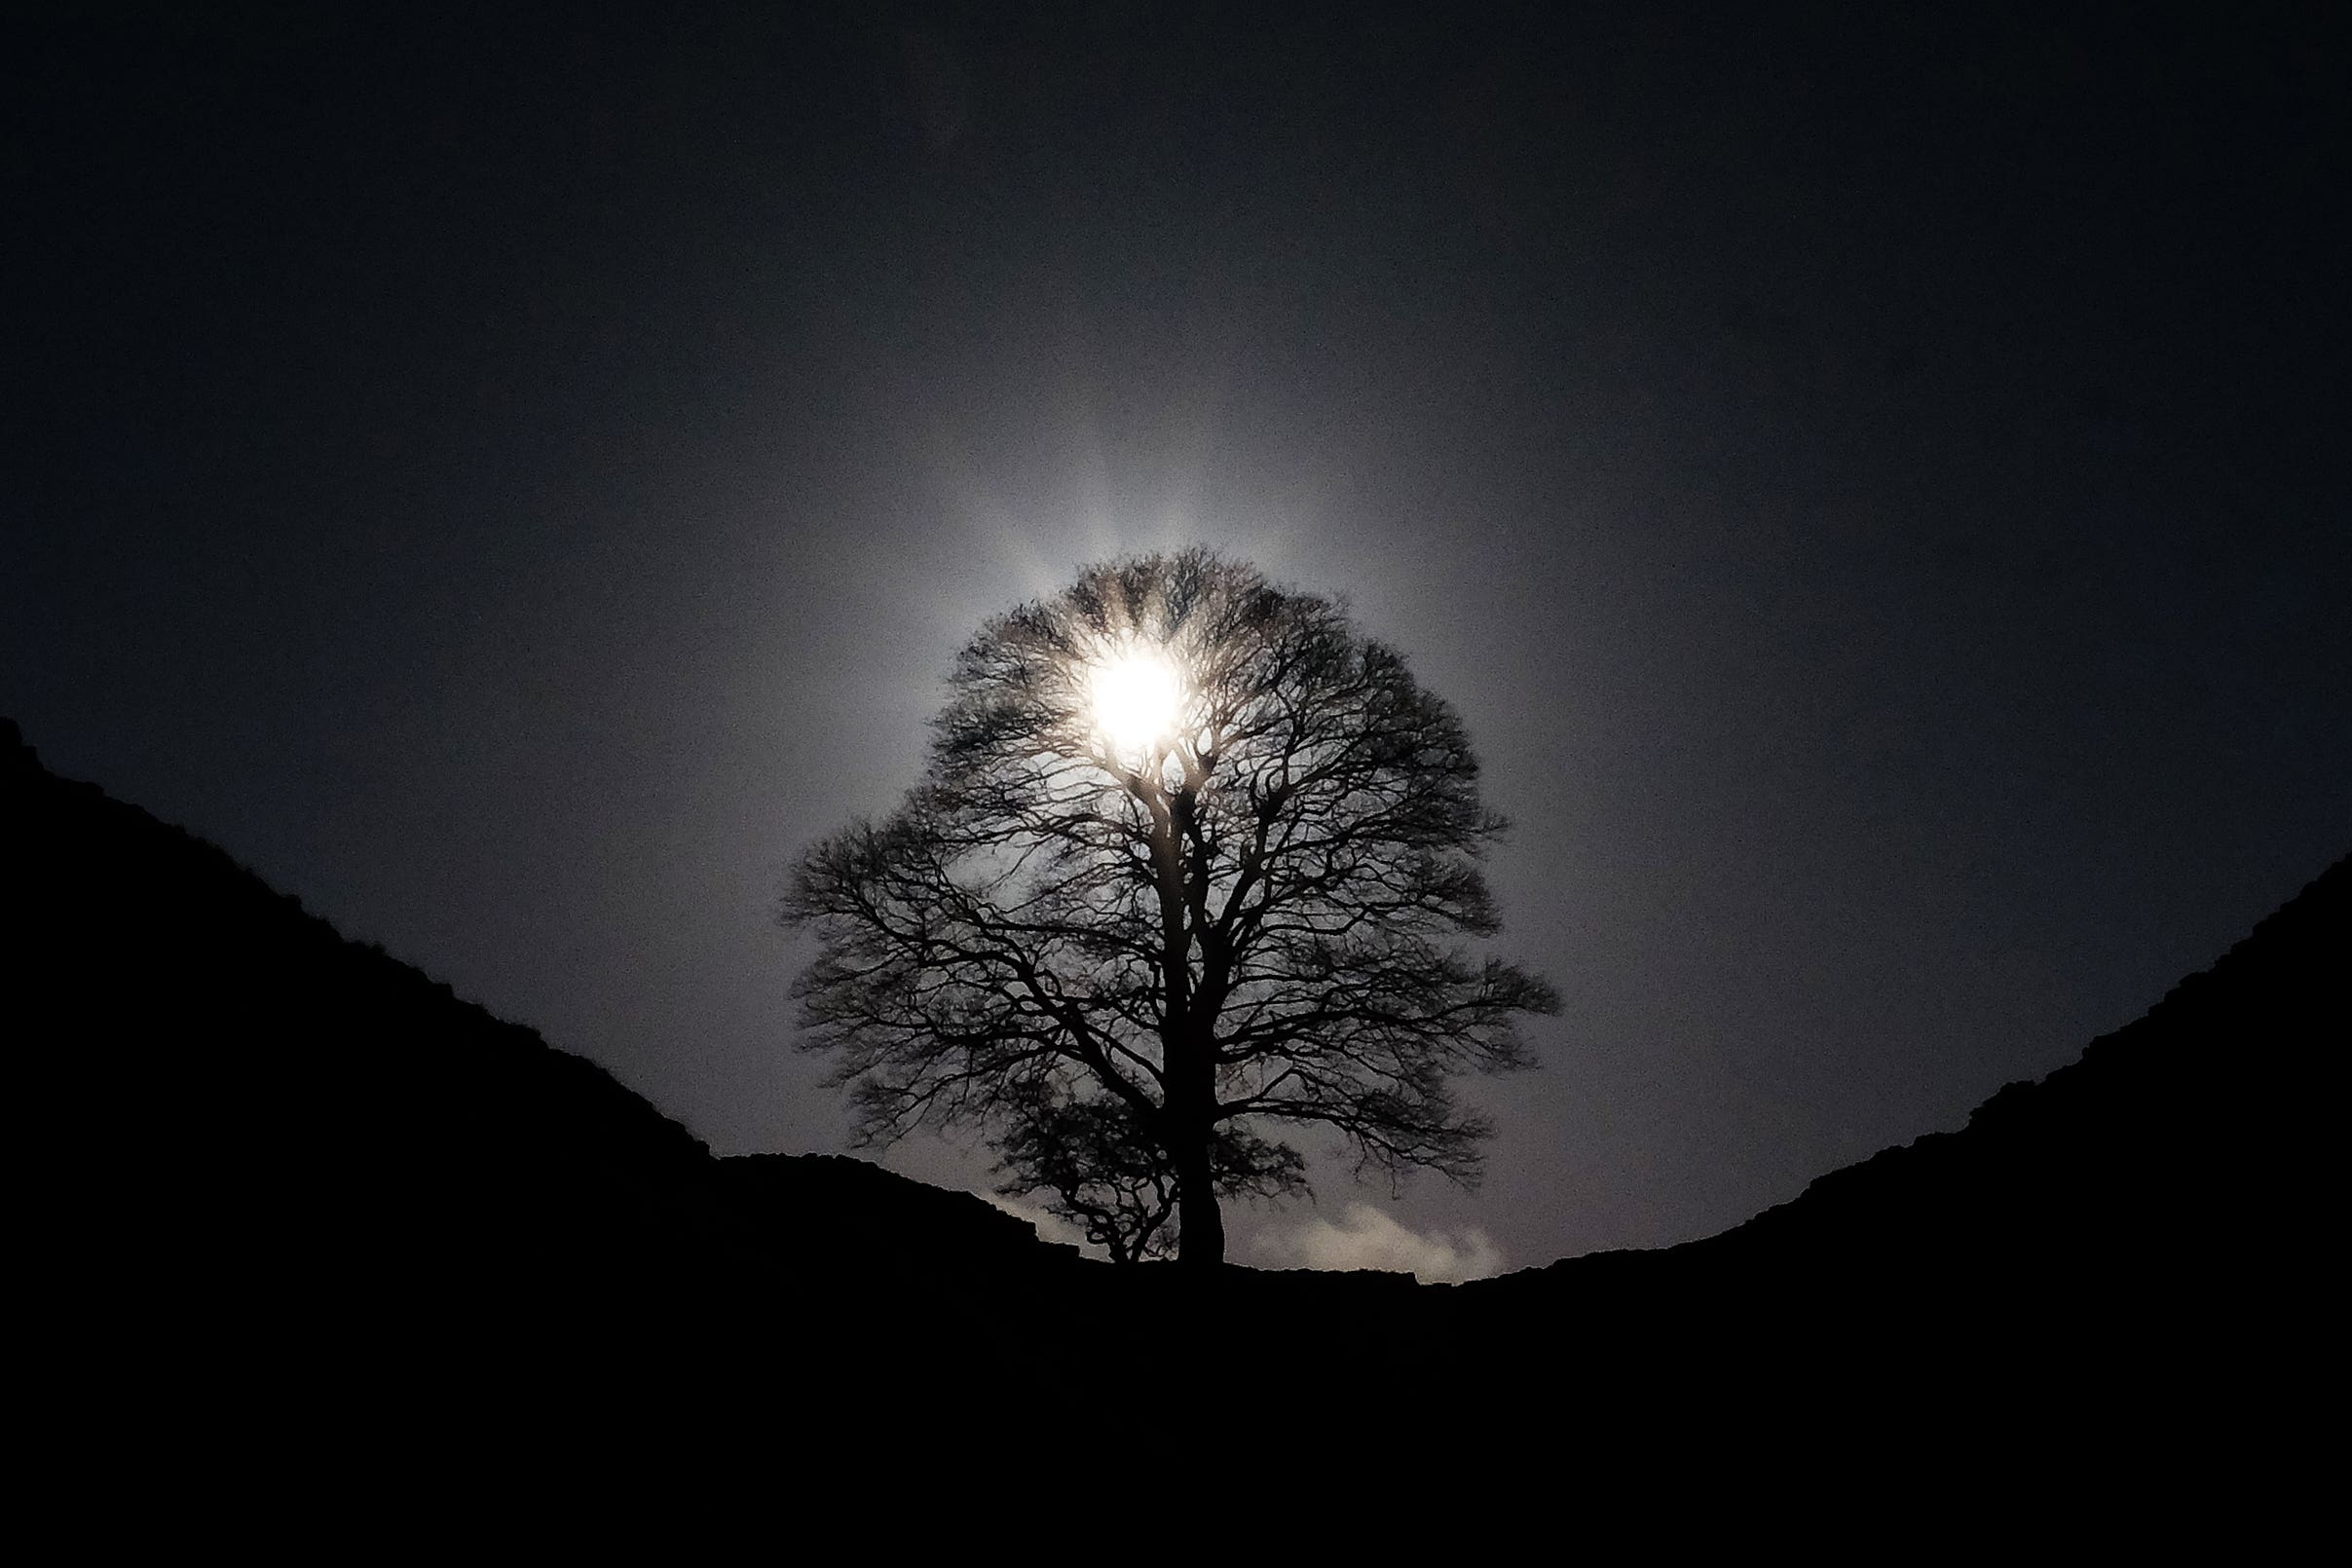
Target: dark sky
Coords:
[[1873, 479]]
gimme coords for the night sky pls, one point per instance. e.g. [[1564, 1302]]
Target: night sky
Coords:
[[1872, 479]]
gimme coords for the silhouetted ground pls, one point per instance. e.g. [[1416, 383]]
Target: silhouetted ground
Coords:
[[291, 1196], [2109, 1292]]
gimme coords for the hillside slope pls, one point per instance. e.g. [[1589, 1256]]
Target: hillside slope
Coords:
[[281, 1170], [2137, 1241], [296, 1152]]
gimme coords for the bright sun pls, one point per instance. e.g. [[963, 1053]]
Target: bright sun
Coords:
[[1136, 700]]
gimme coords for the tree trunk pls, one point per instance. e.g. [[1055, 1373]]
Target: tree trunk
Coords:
[[1199, 1225]]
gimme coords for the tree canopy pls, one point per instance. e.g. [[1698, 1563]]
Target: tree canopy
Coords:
[[1191, 867]]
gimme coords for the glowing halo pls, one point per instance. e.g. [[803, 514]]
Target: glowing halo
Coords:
[[1138, 698]]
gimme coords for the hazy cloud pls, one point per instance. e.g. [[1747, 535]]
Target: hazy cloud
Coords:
[[1051, 1227], [1367, 1239]]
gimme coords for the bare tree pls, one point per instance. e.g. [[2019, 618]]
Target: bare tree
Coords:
[[1189, 865]]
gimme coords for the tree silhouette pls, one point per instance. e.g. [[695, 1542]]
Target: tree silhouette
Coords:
[[1188, 865]]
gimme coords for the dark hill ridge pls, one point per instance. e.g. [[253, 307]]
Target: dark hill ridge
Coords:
[[258, 1110], [275, 1149], [195, 1003], [2124, 1263], [2183, 1131]]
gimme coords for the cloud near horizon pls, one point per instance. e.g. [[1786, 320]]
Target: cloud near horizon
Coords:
[[1051, 1227], [1367, 1239]]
